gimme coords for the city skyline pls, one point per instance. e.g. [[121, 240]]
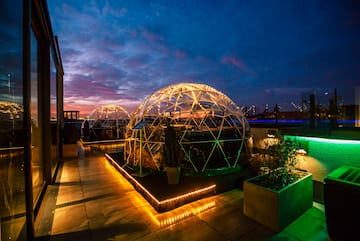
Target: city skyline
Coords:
[[254, 52]]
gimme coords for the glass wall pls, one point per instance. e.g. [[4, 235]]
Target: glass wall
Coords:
[[30, 101], [36, 143], [54, 147], [12, 180], [53, 89]]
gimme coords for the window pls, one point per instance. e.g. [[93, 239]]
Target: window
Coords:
[[54, 150], [36, 147], [12, 179]]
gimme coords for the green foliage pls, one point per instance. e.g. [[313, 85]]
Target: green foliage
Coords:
[[277, 163]]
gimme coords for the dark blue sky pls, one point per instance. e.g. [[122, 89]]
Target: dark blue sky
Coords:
[[256, 52]]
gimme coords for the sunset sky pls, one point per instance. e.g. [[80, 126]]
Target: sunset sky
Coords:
[[255, 52]]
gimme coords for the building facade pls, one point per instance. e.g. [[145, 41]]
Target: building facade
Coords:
[[31, 119]]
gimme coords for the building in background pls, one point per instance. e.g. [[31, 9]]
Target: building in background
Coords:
[[31, 113]]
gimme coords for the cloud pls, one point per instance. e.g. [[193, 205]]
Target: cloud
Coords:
[[180, 53], [234, 61], [288, 91], [137, 61], [238, 64], [150, 35]]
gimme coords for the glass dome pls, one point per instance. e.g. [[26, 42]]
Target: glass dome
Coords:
[[106, 122], [211, 129]]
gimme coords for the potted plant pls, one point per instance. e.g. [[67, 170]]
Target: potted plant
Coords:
[[280, 193], [171, 156]]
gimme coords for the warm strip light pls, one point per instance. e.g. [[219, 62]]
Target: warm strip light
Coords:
[[187, 195], [326, 140], [132, 178], [177, 216], [104, 147], [186, 214], [11, 152], [11, 148], [103, 141], [203, 190]]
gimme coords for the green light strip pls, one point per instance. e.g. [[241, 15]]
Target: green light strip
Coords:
[[325, 140]]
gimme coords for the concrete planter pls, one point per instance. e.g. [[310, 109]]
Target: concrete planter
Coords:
[[341, 200], [277, 209]]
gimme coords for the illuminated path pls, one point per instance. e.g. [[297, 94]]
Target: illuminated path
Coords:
[[93, 201]]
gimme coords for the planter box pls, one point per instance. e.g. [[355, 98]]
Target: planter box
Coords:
[[341, 200], [277, 209]]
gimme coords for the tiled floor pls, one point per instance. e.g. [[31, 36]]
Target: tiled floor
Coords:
[[92, 201]]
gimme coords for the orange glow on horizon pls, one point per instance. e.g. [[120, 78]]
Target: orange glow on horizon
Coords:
[[86, 109]]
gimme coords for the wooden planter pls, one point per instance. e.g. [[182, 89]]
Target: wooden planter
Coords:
[[277, 209]]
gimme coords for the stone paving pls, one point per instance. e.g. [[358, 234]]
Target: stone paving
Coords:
[[90, 200]]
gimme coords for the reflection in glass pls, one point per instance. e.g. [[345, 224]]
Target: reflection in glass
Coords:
[[53, 115], [12, 185], [36, 162], [53, 89]]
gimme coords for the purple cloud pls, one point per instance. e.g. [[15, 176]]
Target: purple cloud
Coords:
[[234, 61]]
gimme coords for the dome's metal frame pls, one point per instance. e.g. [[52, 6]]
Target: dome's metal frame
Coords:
[[202, 115]]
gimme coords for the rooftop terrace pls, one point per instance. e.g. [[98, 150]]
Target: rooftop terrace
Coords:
[[91, 200]]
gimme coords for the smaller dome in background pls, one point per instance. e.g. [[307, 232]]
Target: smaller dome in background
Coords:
[[109, 112], [106, 122]]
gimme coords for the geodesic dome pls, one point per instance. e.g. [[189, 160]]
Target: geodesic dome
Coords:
[[106, 122], [211, 129]]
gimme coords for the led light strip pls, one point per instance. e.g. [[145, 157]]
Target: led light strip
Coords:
[[184, 215], [116, 142], [132, 178], [11, 148], [190, 194], [203, 190], [325, 140]]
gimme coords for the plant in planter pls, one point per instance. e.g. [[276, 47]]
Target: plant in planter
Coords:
[[280, 193], [171, 157], [278, 162]]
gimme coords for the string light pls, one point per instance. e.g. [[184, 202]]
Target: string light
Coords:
[[171, 217], [164, 204], [102, 145], [186, 214]]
